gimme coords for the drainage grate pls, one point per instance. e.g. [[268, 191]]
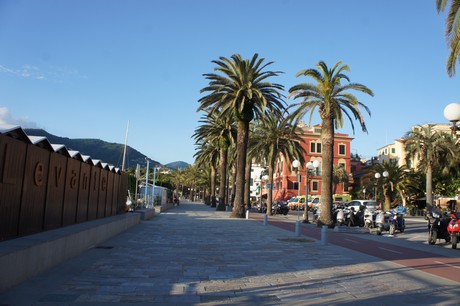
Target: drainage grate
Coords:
[[105, 247]]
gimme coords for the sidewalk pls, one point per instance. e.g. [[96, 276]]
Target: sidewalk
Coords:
[[194, 255]]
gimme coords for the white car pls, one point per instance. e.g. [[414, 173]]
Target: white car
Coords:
[[370, 204]]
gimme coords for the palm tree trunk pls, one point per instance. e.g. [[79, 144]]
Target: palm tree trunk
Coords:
[[326, 175], [429, 186], [213, 186], [223, 178], [247, 185], [232, 196], [387, 197], [241, 146]]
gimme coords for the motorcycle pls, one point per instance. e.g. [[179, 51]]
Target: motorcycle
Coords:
[[454, 228], [437, 227], [280, 208], [397, 222], [356, 218]]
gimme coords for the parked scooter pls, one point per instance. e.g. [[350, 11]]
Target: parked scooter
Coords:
[[340, 216], [454, 228], [397, 222], [369, 218], [437, 227], [382, 222]]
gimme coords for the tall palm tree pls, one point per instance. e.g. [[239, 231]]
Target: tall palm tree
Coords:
[[207, 155], [429, 147], [452, 32], [240, 89], [273, 136], [333, 100], [220, 129]]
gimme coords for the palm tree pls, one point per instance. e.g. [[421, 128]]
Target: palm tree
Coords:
[[274, 136], [178, 180], [395, 183], [207, 155], [339, 175], [333, 100], [242, 91], [221, 130], [429, 147], [452, 32]]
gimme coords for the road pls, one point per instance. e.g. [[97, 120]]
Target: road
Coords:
[[409, 248]]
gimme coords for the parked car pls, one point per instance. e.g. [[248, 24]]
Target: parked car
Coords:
[[371, 204], [297, 203]]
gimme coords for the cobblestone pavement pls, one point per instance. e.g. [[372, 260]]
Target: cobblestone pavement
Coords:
[[195, 255]]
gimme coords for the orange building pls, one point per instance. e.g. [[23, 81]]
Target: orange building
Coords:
[[286, 177]]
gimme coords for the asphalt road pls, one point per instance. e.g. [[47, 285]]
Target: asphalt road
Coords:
[[409, 248]]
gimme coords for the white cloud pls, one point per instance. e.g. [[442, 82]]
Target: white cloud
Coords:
[[26, 71], [6, 118]]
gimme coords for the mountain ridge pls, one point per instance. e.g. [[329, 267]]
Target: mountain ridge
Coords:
[[108, 152]]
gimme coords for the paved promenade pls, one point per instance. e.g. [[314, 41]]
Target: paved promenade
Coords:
[[194, 255]]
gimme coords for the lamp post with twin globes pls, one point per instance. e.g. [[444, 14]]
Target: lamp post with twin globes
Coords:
[[452, 114], [377, 176], [310, 167], [296, 164]]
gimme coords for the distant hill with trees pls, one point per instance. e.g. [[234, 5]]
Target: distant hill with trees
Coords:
[[108, 152]]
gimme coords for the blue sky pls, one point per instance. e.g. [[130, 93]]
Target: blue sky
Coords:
[[82, 69]]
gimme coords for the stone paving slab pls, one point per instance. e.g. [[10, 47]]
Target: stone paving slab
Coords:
[[194, 255]]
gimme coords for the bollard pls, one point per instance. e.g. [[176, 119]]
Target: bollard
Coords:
[[265, 219], [247, 214], [297, 228], [324, 235]]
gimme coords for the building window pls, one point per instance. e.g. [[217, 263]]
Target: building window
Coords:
[[341, 149], [295, 186], [315, 147], [314, 186], [409, 164], [393, 150]]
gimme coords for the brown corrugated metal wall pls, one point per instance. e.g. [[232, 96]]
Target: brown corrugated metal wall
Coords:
[[41, 189], [12, 163]]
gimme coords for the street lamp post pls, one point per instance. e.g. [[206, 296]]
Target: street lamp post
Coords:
[[296, 165], [147, 181], [377, 175], [310, 166], [452, 114], [154, 182]]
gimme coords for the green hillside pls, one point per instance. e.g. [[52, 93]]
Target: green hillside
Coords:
[[111, 153]]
